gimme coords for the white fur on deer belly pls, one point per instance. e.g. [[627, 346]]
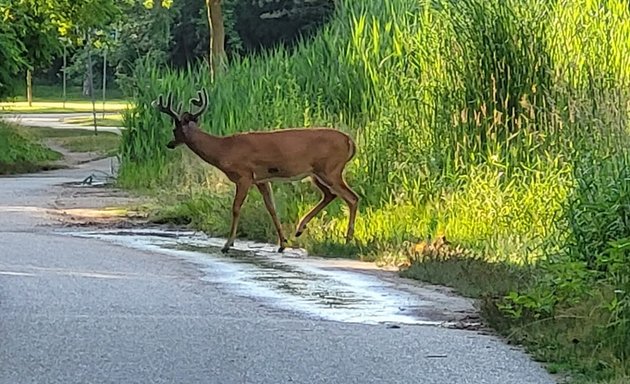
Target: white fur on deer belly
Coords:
[[266, 178]]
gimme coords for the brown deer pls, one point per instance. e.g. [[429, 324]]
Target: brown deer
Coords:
[[256, 158]]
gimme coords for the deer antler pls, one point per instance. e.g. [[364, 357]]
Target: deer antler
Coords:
[[201, 101], [168, 107]]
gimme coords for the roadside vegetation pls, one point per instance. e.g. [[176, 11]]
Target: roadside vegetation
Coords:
[[499, 124], [80, 140], [26, 150], [21, 152]]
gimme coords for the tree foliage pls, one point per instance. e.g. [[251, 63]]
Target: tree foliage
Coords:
[[250, 26], [173, 32], [31, 31], [11, 60]]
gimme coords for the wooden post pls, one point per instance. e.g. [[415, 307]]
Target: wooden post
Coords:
[[65, 54], [29, 87], [104, 78], [91, 80]]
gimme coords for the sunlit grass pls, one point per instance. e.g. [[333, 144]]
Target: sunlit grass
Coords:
[[49, 99], [57, 107]]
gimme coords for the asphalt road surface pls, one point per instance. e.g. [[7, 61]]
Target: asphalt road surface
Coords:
[[80, 310]]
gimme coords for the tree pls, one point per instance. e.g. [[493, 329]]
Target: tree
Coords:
[[216, 54], [263, 23], [36, 28], [35, 34], [11, 49], [81, 21], [144, 34]]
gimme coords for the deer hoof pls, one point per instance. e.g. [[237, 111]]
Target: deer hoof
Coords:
[[298, 233], [281, 249], [225, 249]]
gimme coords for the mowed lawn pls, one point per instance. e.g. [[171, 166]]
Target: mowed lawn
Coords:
[[49, 99]]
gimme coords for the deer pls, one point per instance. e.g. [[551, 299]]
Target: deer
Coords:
[[257, 158]]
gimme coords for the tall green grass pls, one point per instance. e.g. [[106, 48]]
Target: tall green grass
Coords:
[[489, 121], [469, 112]]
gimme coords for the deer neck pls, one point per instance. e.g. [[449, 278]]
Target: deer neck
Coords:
[[206, 146]]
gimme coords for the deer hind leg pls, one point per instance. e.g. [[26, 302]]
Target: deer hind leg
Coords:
[[265, 191], [338, 186], [327, 198], [242, 187]]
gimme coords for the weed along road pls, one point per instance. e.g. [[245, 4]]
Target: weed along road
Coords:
[[88, 304]]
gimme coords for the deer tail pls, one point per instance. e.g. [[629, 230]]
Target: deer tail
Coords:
[[352, 148]]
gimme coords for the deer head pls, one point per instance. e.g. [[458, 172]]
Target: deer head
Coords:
[[184, 122]]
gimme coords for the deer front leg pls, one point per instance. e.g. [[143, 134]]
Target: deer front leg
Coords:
[[265, 191], [242, 187]]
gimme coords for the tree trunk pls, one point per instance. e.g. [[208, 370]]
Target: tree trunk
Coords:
[[218, 59], [86, 83], [29, 87]]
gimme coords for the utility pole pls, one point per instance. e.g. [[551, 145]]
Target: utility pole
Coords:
[[91, 79], [65, 63]]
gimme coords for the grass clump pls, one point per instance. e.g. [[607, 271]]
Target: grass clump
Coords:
[[105, 143], [21, 152], [502, 124], [81, 140], [113, 120]]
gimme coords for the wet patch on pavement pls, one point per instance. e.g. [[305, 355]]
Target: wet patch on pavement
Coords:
[[294, 282]]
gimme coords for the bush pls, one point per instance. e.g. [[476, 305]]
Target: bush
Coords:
[[20, 152]]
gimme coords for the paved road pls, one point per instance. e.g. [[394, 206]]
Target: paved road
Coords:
[[56, 120], [76, 310]]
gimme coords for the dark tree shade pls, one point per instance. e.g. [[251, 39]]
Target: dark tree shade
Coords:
[[267, 23], [251, 25]]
